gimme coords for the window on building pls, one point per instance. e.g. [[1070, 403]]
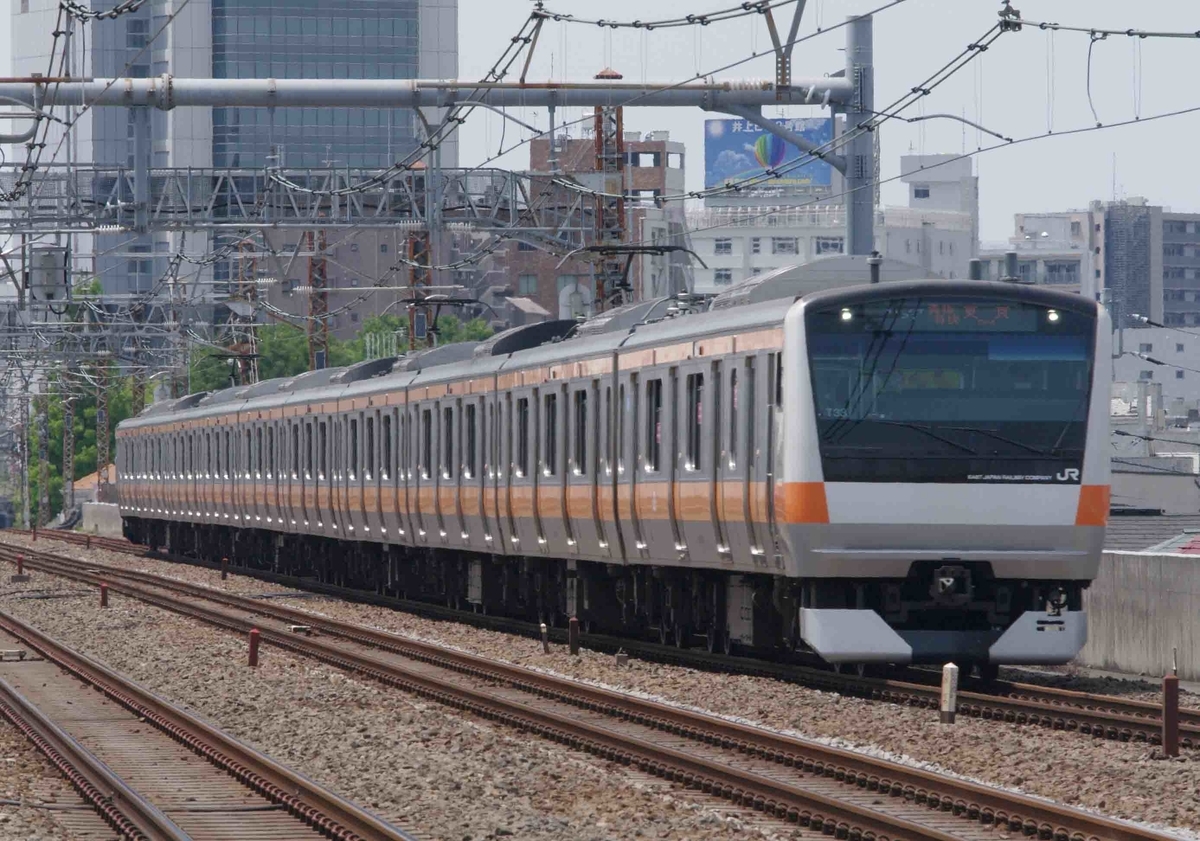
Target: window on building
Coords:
[[1062, 272], [785, 245], [723, 277], [523, 436], [920, 191], [942, 247], [550, 426], [756, 245], [1179, 375], [1145, 375], [653, 425], [1179, 347], [579, 441], [722, 245], [832, 245], [695, 404], [1145, 347], [674, 160], [527, 284], [1076, 229], [1171, 250]]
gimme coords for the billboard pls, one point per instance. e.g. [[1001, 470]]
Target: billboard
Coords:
[[737, 149]]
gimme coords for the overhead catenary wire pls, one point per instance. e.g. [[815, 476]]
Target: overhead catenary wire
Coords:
[[759, 7]]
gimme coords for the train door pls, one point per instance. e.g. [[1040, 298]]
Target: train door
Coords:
[[489, 473], [443, 472], [552, 479], [732, 457], [423, 435], [470, 482], [508, 464], [755, 478], [653, 500], [630, 423], [699, 425], [582, 440]]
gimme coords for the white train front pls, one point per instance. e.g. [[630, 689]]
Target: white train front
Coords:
[[913, 471]]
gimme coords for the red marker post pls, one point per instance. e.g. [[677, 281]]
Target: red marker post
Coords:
[[20, 564], [104, 595], [224, 568], [254, 638], [1170, 711]]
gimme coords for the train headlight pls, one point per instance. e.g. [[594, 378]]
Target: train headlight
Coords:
[[846, 314], [1052, 315]]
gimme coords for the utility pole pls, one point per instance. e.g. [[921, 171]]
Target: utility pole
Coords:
[[68, 468], [43, 431], [318, 302], [612, 284], [25, 516], [102, 449]]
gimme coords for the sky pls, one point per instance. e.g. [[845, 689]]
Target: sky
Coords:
[[1028, 84]]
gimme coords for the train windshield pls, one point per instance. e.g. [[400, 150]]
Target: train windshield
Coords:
[[933, 389]]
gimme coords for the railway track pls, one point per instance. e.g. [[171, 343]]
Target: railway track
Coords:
[[1090, 714], [150, 769], [826, 789]]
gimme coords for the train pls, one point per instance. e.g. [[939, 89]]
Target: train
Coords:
[[896, 472]]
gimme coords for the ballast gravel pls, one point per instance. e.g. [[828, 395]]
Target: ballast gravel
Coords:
[[36, 802], [422, 766], [1124, 780]]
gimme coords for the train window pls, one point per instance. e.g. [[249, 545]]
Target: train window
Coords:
[[523, 436], [777, 372], [469, 444], [295, 451], [323, 450], [385, 448], [270, 451], [751, 399], [228, 454], [579, 452], [550, 422], [308, 451], [695, 410], [353, 460], [249, 453], [653, 425], [620, 418], [447, 442], [733, 416], [258, 452], [608, 430], [490, 432], [426, 443], [370, 468]]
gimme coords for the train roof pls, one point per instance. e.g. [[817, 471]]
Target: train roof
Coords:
[[751, 305]]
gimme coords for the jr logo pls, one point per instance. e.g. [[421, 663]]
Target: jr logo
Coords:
[[1070, 474]]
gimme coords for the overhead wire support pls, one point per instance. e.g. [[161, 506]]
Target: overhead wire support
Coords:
[[81, 12], [741, 10]]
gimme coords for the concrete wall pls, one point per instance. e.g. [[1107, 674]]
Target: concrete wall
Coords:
[[102, 518], [1140, 607]]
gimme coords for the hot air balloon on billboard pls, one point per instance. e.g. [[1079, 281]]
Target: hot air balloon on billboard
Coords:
[[735, 150]]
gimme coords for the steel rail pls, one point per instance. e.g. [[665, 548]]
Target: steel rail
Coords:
[[122, 808], [972, 801], [303, 798], [1100, 716]]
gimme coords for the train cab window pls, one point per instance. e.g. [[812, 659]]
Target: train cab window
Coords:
[[470, 443], [550, 424], [426, 443], [695, 409], [523, 436], [385, 446], [733, 416], [579, 448], [369, 469], [323, 450], [353, 459], [447, 443], [308, 451], [653, 425]]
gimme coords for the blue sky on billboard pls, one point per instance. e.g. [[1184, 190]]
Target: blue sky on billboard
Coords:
[[737, 149]]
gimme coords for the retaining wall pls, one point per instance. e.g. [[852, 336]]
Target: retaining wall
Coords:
[[1140, 607], [101, 518]]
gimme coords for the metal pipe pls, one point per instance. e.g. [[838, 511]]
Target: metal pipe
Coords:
[[1010, 267], [875, 261], [860, 154], [166, 92], [975, 269]]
